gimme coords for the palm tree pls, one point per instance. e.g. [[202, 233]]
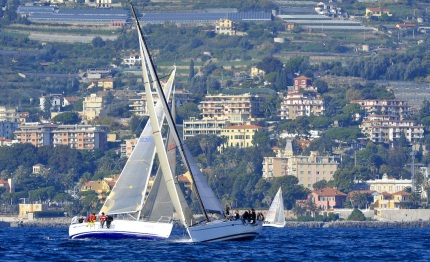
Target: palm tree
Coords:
[[298, 210]]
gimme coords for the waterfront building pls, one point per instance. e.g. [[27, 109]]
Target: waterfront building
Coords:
[[328, 198], [396, 200]]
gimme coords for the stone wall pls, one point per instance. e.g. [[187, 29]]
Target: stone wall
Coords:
[[405, 215]]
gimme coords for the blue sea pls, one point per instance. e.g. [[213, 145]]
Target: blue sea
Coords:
[[274, 244]]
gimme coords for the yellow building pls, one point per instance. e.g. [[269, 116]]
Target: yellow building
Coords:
[[105, 84], [378, 12], [256, 72], [92, 107], [128, 147], [27, 210], [225, 27], [99, 186], [239, 136], [395, 200]]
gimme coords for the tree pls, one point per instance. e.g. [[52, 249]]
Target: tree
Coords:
[[320, 185], [67, 118], [191, 74], [188, 110], [270, 64], [98, 42], [356, 215], [298, 210]]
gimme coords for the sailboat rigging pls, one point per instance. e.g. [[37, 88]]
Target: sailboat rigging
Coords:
[[210, 229], [127, 198]]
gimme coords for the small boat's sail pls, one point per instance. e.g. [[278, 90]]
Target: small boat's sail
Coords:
[[276, 216]]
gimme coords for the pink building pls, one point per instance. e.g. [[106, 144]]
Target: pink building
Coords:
[[328, 198]]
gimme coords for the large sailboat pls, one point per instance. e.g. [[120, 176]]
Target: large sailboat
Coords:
[[135, 217], [276, 216], [211, 225]]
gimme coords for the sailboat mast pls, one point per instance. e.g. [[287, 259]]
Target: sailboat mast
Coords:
[[167, 110]]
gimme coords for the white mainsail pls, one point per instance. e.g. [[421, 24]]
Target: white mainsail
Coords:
[[276, 215], [128, 194]]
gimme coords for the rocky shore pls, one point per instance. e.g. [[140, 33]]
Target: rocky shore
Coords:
[[358, 224], [48, 222]]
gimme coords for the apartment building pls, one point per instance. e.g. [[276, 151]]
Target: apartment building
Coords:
[[382, 129], [8, 113], [296, 105], [235, 108], [35, 133], [139, 106], [239, 136], [84, 137], [93, 107], [393, 107], [128, 147], [307, 169], [194, 127], [7, 128], [225, 27]]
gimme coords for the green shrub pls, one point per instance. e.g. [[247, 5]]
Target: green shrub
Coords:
[[357, 215], [305, 219]]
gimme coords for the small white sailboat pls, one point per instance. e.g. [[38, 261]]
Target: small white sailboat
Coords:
[[135, 217], [276, 216], [213, 226]]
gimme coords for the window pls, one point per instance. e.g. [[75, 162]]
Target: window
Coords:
[[301, 172], [309, 172]]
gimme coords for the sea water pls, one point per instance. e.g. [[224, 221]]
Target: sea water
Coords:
[[274, 244]]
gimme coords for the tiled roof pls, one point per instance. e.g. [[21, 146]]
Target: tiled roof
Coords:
[[328, 191], [402, 193]]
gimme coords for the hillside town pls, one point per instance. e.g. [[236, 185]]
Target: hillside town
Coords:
[[327, 100]]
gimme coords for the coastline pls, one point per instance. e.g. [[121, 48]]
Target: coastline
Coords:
[[65, 222]]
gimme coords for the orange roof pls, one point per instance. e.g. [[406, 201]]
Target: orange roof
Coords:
[[71, 98], [377, 9], [3, 182], [402, 193], [386, 194], [244, 127], [303, 77], [406, 25], [328, 191]]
